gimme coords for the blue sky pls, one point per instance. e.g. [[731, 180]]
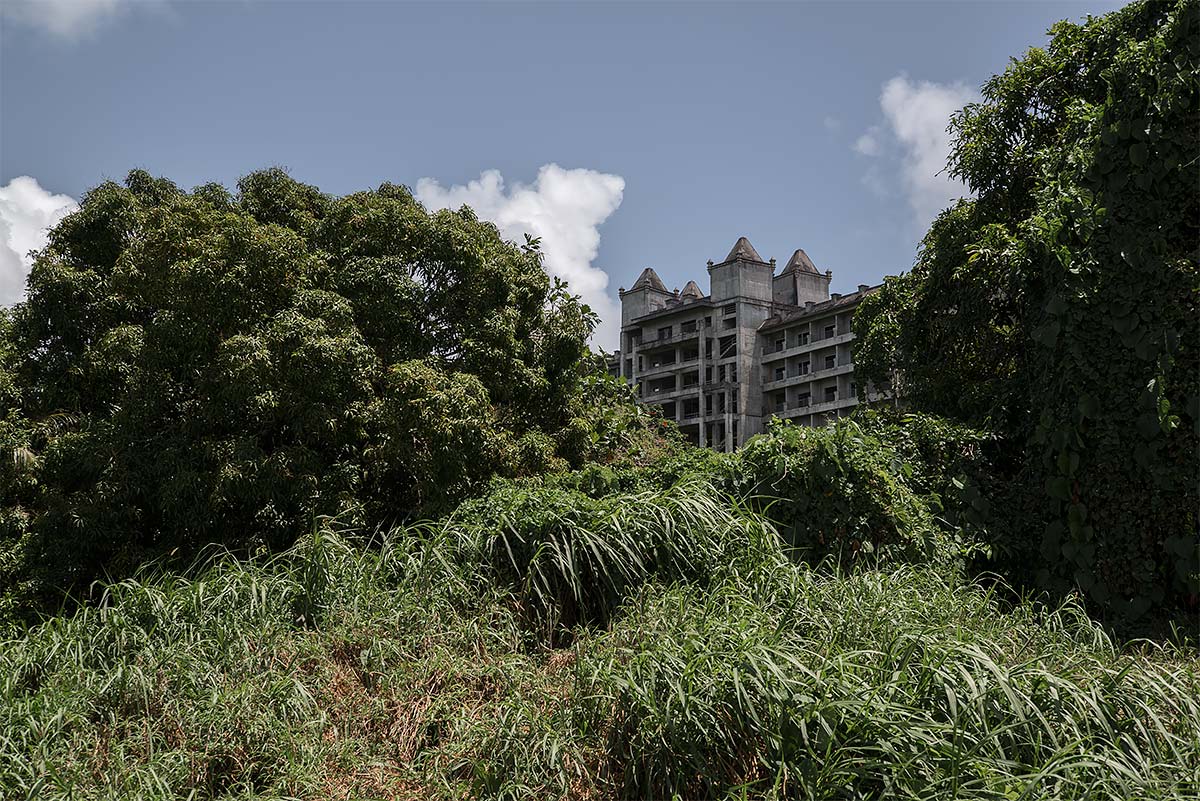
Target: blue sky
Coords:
[[675, 127]]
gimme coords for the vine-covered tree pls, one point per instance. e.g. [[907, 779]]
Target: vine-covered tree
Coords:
[[196, 367], [1059, 307]]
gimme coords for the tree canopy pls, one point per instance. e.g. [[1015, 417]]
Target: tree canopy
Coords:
[[1059, 306], [197, 367]]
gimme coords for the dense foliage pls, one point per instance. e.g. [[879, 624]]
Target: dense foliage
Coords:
[[1060, 307], [700, 662], [880, 488], [198, 367]]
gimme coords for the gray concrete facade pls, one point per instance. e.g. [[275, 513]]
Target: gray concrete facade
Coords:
[[757, 345]]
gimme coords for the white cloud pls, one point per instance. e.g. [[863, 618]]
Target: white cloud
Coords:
[[26, 211], [918, 114], [563, 207], [69, 19], [868, 144], [832, 124]]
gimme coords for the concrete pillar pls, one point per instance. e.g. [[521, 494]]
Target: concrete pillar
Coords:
[[728, 420], [700, 376]]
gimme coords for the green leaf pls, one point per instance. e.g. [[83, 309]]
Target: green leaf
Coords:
[[1047, 332], [1059, 487]]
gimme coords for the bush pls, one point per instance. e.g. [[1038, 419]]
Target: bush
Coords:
[[877, 488], [573, 560], [880, 685]]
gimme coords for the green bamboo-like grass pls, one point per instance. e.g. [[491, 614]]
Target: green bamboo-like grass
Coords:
[[545, 645]]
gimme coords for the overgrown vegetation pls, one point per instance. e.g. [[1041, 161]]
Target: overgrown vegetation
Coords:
[[562, 654], [1061, 307], [589, 610]]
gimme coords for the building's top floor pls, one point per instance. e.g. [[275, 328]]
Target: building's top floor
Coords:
[[742, 277], [810, 310]]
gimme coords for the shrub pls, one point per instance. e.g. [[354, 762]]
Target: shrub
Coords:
[[842, 491], [879, 487], [880, 685], [573, 560]]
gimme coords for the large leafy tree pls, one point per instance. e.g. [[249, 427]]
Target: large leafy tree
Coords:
[[1059, 307], [196, 367]]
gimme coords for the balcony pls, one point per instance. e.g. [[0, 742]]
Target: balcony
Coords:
[[669, 393], [796, 409], [816, 375], [662, 369], [815, 344], [647, 344]]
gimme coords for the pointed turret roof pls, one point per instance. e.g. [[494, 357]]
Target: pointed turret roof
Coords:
[[691, 290], [742, 249], [650, 279], [800, 262]]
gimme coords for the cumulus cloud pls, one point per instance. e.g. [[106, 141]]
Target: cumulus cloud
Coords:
[[563, 207], [68, 19], [917, 115], [26, 211]]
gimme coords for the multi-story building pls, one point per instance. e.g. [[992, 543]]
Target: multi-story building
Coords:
[[757, 345]]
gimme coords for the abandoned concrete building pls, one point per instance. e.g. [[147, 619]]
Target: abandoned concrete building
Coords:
[[757, 345]]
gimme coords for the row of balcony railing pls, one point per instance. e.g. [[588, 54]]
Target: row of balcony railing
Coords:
[[770, 349], [810, 406], [769, 379]]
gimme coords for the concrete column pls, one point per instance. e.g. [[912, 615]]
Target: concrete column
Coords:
[[700, 376], [728, 419], [633, 365]]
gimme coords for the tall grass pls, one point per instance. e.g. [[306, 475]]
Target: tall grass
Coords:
[[540, 644]]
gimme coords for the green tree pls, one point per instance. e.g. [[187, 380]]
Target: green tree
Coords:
[[1059, 307], [198, 367]]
